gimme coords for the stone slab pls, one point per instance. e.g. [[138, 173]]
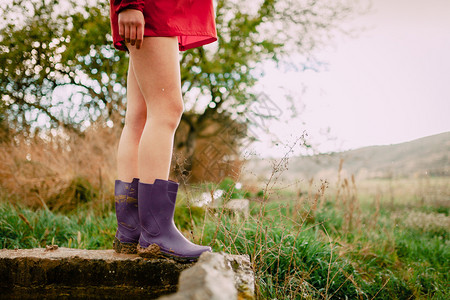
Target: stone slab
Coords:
[[85, 274], [64, 273]]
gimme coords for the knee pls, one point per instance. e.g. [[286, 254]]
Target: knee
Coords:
[[170, 115], [136, 120], [177, 111]]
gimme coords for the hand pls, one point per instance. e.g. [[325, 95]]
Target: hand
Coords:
[[131, 26]]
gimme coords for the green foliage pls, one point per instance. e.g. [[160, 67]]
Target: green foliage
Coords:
[[79, 191], [298, 260], [23, 228], [294, 264], [5, 130], [186, 216], [230, 191], [53, 48], [292, 259]]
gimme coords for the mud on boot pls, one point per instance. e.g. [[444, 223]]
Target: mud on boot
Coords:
[[128, 226]]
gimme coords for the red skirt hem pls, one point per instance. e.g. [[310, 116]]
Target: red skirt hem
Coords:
[[198, 39], [191, 21]]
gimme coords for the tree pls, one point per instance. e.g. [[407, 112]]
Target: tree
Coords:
[[249, 35], [59, 51], [55, 48]]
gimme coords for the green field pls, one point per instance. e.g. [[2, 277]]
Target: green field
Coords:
[[326, 243]]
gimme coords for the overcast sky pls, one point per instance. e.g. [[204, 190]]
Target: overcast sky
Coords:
[[389, 85]]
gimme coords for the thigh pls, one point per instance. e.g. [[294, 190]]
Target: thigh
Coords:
[[157, 69], [136, 108]]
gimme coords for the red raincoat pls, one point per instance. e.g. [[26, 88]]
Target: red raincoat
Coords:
[[192, 21]]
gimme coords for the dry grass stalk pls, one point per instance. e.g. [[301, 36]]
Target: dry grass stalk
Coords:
[[376, 215], [43, 169]]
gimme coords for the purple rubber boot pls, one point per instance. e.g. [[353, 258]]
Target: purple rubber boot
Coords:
[[128, 226], [159, 235]]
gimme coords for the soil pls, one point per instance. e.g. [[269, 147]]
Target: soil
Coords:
[[152, 251]]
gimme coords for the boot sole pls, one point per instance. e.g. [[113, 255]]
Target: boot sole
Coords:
[[154, 251], [124, 248]]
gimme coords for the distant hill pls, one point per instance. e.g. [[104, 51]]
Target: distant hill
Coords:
[[425, 156]]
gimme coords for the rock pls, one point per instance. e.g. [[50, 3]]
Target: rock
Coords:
[[244, 277], [216, 276]]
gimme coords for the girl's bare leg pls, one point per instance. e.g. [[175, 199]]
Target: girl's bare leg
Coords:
[[157, 72], [135, 118]]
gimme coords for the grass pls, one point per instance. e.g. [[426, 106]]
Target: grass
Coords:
[[375, 239], [309, 247], [22, 227]]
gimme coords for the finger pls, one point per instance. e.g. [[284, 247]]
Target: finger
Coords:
[[121, 30], [127, 33], [133, 35], [139, 36]]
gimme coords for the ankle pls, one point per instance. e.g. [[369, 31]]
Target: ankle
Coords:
[[127, 179]]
